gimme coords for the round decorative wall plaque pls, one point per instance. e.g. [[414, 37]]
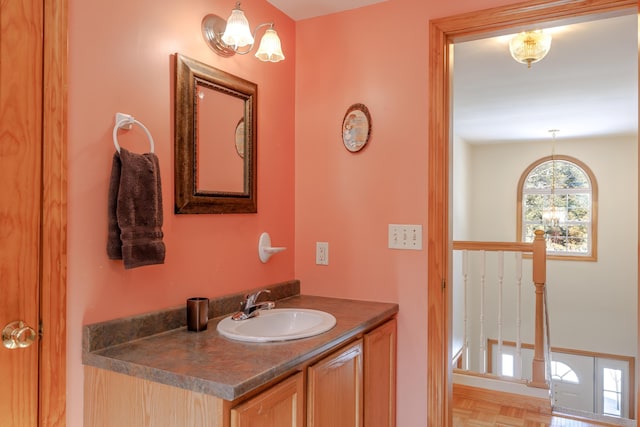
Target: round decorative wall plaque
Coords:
[[356, 127], [240, 138]]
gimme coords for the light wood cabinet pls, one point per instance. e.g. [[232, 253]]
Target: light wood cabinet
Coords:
[[335, 386], [280, 406], [380, 376], [356, 386], [114, 399], [353, 386]]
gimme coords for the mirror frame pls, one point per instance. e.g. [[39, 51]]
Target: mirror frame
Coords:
[[188, 198]]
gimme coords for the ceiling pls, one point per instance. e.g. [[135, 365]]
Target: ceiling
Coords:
[[303, 9], [585, 86]]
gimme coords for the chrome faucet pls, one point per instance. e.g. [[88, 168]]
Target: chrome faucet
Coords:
[[249, 308]]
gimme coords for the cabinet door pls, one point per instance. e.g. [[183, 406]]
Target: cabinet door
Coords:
[[380, 376], [334, 392], [280, 406]]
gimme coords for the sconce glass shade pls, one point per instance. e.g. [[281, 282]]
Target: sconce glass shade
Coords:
[[530, 47], [237, 33], [226, 38], [270, 49]]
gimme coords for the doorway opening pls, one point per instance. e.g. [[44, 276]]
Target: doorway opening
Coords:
[[502, 113], [443, 33]]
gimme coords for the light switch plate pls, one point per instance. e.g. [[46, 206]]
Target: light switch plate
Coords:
[[405, 236]]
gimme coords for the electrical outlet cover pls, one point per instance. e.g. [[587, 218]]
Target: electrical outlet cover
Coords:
[[322, 253]]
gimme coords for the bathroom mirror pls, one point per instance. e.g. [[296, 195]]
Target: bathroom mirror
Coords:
[[215, 140]]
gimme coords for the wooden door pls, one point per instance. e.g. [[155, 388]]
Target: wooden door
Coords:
[[334, 390], [33, 211], [380, 376], [280, 406], [20, 174]]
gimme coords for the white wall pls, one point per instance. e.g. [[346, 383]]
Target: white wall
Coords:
[[592, 305], [460, 217], [460, 188]]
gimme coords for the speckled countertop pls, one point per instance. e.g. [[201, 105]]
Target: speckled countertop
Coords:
[[210, 363]]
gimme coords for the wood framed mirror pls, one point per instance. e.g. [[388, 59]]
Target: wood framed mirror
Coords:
[[215, 157]]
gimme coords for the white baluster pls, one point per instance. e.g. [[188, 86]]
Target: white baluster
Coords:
[[465, 342], [500, 282], [518, 361], [483, 346]]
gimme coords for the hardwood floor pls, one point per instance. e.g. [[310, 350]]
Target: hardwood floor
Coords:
[[476, 413]]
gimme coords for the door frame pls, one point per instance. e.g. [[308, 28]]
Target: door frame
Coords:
[[442, 34], [53, 267]]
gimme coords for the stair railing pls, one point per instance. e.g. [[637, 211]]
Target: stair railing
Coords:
[[537, 249]]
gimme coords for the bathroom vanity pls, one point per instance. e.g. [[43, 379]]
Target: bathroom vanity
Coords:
[[172, 377]]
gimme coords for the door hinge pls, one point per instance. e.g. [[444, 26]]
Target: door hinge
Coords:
[[444, 284]]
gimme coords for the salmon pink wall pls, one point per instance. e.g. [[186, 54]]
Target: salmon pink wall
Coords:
[[377, 55], [121, 60]]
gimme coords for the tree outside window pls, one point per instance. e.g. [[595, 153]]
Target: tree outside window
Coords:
[[558, 195]]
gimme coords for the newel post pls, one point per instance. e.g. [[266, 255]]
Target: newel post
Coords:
[[538, 378]]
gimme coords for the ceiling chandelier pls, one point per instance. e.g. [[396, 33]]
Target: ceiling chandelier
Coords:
[[553, 215], [530, 46]]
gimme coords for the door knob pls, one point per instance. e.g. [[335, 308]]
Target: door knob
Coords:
[[18, 334]]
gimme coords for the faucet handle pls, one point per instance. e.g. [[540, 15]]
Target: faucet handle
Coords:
[[251, 299]]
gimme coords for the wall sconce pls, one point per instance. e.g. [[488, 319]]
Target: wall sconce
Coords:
[[232, 36], [530, 47]]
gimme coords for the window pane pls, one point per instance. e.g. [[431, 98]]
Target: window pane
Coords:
[[578, 239], [539, 177], [578, 207], [533, 205], [572, 176], [612, 391], [562, 372], [507, 365], [558, 200], [556, 239], [611, 403], [612, 379], [529, 230]]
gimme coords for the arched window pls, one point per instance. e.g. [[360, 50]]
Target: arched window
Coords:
[[558, 194], [562, 372]]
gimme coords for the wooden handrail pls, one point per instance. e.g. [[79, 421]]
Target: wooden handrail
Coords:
[[539, 255], [460, 245]]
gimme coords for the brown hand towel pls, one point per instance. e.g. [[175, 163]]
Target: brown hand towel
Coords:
[[135, 210]]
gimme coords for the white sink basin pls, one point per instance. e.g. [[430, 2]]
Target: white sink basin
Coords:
[[278, 324]]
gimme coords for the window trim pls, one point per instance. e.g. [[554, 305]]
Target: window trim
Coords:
[[594, 207]]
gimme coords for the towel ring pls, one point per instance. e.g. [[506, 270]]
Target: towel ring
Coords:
[[125, 121]]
